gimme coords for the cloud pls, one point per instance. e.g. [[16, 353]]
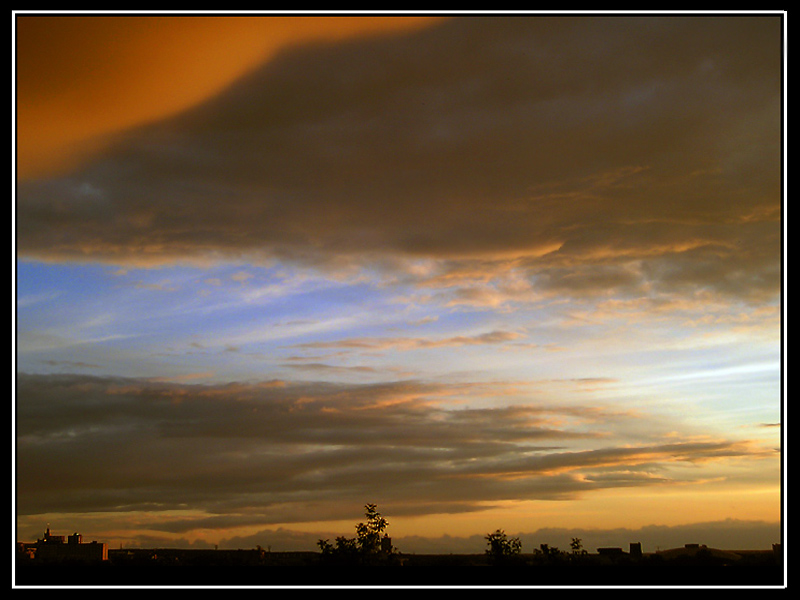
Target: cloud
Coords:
[[323, 368], [730, 535], [637, 155], [406, 343], [271, 450], [69, 65]]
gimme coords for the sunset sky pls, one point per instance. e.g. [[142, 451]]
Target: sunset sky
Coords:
[[485, 271]]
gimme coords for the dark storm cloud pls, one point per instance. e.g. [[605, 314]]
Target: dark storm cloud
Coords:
[[267, 452], [598, 153]]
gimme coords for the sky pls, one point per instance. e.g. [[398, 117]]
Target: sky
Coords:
[[486, 271]]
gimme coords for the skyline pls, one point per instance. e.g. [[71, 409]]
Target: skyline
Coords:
[[486, 271]]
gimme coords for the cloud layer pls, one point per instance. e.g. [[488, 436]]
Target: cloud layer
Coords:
[[723, 534], [266, 453], [451, 203], [632, 154]]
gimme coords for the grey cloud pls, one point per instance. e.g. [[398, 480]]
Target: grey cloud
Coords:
[[591, 279], [728, 535], [586, 140], [103, 444], [325, 368]]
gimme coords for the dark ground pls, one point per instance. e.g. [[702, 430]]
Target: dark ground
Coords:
[[307, 569]]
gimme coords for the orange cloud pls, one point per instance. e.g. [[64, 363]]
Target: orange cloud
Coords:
[[403, 343], [580, 157], [81, 78]]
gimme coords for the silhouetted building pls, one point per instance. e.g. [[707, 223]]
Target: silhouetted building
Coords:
[[777, 551], [692, 551], [636, 549], [695, 547], [75, 538], [610, 551], [50, 539], [57, 548]]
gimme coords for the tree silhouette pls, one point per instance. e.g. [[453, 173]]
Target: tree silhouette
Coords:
[[368, 543], [550, 553], [578, 552], [368, 535], [501, 547]]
